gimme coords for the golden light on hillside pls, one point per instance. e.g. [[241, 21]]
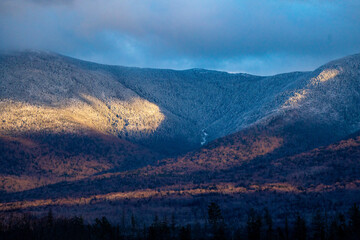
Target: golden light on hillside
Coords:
[[87, 116], [296, 99], [301, 95], [186, 191], [183, 191], [325, 75], [90, 113]]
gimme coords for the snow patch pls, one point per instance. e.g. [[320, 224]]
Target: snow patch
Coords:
[[204, 135]]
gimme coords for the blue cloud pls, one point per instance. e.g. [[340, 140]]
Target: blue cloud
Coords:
[[260, 37]]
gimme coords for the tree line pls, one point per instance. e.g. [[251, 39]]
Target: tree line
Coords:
[[259, 226]]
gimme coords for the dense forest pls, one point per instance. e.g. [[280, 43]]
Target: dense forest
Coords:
[[259, 225]]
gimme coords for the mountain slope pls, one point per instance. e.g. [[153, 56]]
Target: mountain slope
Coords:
[[41, 159], [179, 106], [65, 119], [332, 169], [135, 103]]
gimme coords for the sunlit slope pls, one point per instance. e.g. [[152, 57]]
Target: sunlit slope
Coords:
[[57, 124], [46, 93], [330, 97]]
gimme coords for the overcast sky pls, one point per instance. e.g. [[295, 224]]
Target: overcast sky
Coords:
[[255, 36]]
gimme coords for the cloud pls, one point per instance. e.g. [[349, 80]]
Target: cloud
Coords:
[[47, 2], [264, 36]]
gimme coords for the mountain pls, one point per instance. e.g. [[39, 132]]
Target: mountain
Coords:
[[167, 110], [80, 130]]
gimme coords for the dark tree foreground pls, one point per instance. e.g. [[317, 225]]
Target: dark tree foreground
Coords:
[[258, 225]]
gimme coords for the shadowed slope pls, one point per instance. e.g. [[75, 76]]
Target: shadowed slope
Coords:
[[40, 159]]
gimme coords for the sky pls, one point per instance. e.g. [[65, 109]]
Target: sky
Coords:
[[262, 37]]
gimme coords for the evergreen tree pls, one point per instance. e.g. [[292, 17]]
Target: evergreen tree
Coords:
[[159, 230], [354, 221], [341, 230], [214, 214], [216, 221], [50, 218], [173, 225], [77, 229], [299, 228], [332, 230], [286, 228], [133, 223], [338, 228], [185, 233], [280, 234], [253, 225], [102, 229], [318, 226], [123, 219], [269, 224]]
